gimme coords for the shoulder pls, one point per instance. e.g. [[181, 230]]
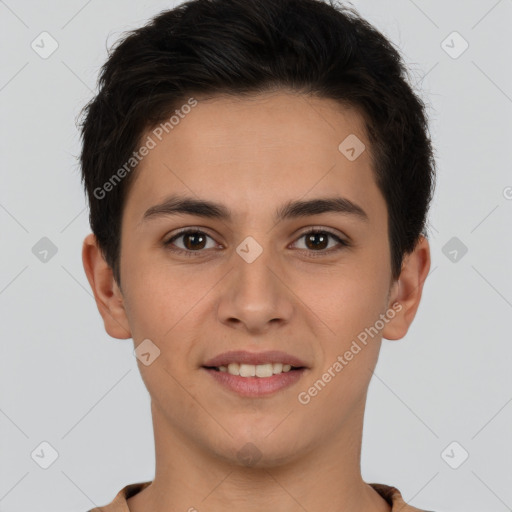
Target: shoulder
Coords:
[[393, 496], [118, 504]]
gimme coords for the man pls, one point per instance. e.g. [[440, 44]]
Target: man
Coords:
[[259, 176]]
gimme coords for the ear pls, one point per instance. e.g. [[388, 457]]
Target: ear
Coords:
[[107, 294], [406, 292]]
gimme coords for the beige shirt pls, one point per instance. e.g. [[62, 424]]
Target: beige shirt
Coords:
[[390, 494]]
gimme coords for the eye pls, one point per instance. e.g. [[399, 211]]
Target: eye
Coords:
[[194, 240], [317, 241]]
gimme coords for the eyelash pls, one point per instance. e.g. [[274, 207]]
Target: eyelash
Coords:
[[320, 253]]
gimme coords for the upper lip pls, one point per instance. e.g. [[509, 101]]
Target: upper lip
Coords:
[[255, 358]]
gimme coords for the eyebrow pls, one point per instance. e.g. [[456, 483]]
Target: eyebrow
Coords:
[[175, 205]]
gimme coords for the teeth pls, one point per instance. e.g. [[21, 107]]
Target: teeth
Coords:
[[258, 370]]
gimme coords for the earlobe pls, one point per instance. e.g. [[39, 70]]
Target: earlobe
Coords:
[[107, 295], [408, 290]]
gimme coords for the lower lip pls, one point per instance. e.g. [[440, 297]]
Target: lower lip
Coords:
[[256, 386]]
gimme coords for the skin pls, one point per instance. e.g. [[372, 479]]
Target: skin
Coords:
[[254, 155]]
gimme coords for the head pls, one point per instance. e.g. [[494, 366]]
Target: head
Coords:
[[257, 106]]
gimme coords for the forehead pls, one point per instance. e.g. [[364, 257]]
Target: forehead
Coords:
[[257, 152]]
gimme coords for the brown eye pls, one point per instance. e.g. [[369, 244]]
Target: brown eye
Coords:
[[193, 240], [317, 241]]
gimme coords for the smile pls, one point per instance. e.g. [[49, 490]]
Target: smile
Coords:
[[253, 386], [255, 370]]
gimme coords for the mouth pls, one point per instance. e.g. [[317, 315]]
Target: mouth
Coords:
[[250, 374], [261, 371], [236, 359], [254, 386]]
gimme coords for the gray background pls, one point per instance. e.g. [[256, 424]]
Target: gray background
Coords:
[[64, 381]]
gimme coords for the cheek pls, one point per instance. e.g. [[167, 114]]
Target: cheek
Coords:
[[345, 301], [159, 296], [163, 305]]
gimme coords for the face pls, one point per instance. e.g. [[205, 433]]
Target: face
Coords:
[[254, 280]]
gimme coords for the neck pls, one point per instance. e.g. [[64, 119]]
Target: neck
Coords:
[[192, 477]]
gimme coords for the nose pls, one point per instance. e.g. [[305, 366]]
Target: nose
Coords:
[[255, 296]]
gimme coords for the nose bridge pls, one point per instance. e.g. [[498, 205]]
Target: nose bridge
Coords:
[[255, 294], [254, 276]]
